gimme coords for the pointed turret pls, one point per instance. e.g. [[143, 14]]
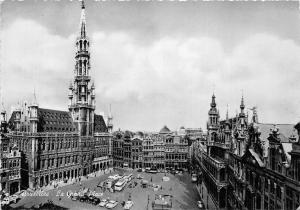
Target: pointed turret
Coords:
[[34, 100], [3, 113], [109, 120], [2, 109], [82, 26], [227, 123], [213, 114], [242, 106], [3, 120], [33, 117], [227, 113], [213, 101]]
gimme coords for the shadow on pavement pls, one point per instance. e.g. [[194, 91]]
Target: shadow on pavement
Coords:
[[44, 206]]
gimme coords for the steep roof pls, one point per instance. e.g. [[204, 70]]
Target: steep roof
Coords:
[[285, 131], [257, 158], [54, 121], [50, 120], [99, 124]]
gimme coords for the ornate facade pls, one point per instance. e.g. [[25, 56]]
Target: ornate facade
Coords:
[[250, 165], [10, 161], [64, 145], [160, 150]]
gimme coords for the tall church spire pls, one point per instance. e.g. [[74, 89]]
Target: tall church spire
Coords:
[[82, 25], [81, 92]]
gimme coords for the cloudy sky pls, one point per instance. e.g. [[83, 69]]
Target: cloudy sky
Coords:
[[157, 63]]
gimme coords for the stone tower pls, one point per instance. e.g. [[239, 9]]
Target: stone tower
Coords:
[[81, 90], [213, 123], [33, 114]]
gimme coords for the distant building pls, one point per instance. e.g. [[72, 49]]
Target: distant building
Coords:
[[118, 149], [148, 153], [137, 150], [159, 146], [176, 149], [159, 150]]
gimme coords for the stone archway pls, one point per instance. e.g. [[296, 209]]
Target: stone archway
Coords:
[[41, 181], [14, 187], [46, 180]]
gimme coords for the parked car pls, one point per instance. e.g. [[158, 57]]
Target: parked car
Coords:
[[96, 201], [139, 170], [101, 184], [103, 202], [200, 205], [139, 176], [83, 198], [14, 198], [111, 204], [5, 201], [153, 171], [91, 198], [74, 197], [128, 205], [194, 177]]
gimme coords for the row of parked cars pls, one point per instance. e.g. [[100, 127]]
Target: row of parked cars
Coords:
[[86, 196], [9, 200], [107, 203]]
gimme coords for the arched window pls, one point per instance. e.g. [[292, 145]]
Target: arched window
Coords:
[[214, 136], [80, 67]]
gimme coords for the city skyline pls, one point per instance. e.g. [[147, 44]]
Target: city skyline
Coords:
[[186, 65]]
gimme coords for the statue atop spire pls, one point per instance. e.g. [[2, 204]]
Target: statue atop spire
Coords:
[[213, 101], [242, 106], [34, 100], [82, 4], [82, 26]]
